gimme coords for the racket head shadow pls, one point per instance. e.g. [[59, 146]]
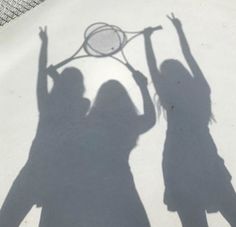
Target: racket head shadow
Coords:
[[103, 40]]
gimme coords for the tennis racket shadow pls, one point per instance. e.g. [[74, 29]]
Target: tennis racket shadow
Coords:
[[104, 40]]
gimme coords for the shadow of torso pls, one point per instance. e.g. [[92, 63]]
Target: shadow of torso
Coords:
[[106, 191]]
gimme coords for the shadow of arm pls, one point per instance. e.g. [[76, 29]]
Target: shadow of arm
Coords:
[[42, 87], [147, 120], [194, 67], [151, 60]]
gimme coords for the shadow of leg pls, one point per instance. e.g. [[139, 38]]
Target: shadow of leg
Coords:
[[228, 210], [18, 203], [193, 217]]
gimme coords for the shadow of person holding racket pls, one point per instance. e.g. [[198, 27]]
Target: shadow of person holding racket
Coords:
[[196, 179], [49, 174], [108, 196]]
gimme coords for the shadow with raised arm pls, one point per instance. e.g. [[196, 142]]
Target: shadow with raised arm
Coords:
[[108, 193], [195, 176], [49, 173]]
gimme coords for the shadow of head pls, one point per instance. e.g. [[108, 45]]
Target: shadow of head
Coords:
[[67, 94], [178, 87], [113, 99], [72, 80], [174, 71]]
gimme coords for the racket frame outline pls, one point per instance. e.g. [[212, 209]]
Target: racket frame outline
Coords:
[[102, 55]]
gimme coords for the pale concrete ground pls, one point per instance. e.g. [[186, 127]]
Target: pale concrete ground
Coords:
[[210, 26]]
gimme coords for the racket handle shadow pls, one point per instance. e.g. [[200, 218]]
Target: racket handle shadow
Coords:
[[62, 63], [157, 28], [131, 68]]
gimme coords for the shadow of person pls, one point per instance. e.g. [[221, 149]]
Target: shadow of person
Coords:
[[196, 179], [48, 171], [107, 192]]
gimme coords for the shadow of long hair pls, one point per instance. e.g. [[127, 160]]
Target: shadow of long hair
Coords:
[[105, 174], [195, 176]]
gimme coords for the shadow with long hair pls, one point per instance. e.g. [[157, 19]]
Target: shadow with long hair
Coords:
[[196, 179], [108, 196], [48, 174]]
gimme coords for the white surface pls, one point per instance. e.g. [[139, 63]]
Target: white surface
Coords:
[[210, 27]]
